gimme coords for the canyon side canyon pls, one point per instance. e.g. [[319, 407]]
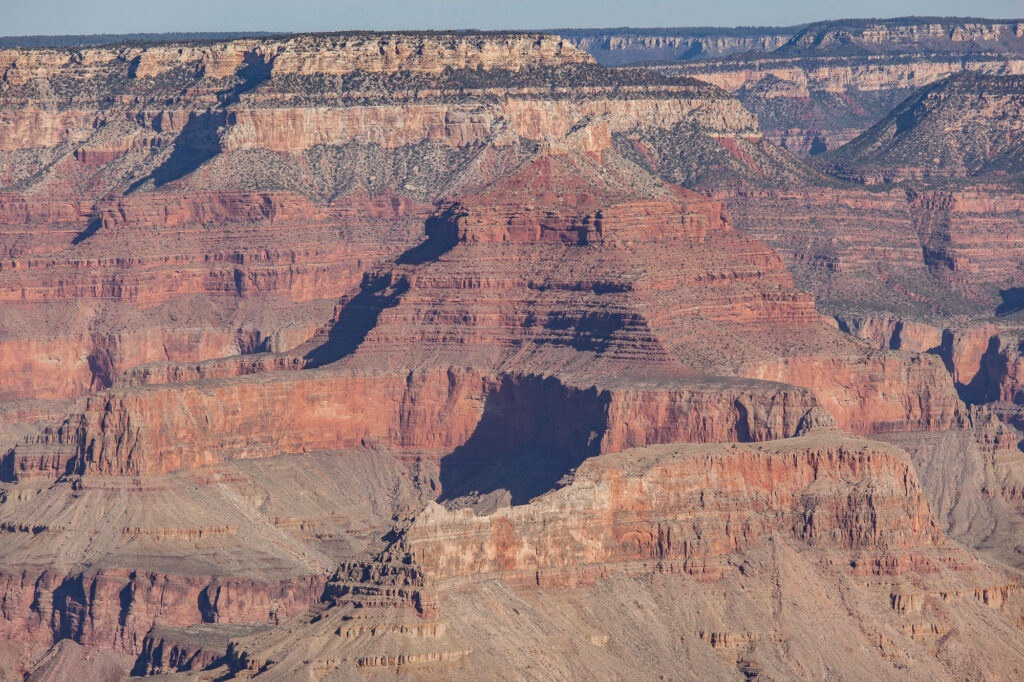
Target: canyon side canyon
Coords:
[[461, 355]]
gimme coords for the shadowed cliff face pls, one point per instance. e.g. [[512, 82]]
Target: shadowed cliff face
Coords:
[[531, 434], [358, 353], [198, 141], [355, 320]]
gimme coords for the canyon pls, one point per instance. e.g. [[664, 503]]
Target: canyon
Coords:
[[444, 355], [831, 81]]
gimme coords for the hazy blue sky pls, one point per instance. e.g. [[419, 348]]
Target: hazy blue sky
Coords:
[[21, 17]]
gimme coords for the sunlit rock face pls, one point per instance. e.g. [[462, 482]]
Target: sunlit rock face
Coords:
[[359, 353]]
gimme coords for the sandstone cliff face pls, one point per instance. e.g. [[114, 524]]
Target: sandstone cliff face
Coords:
[[920, 254], [611, 515], [167, 428], [616, 47], [853, 391], [285, 129], [115, 609], [344, 276], [898, 35], [893, 332], [326, 54], [667, 520], [850, 37]]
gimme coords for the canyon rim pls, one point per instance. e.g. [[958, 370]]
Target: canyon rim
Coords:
[[568, 354]]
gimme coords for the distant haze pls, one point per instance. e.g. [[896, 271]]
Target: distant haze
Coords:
[[53, 17]]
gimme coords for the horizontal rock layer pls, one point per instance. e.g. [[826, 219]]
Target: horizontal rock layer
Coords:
[[653, 524], [165, 428], [325, 54], [686, 503]]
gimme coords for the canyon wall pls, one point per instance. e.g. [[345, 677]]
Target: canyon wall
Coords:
[[616, 47], [308, 340], [816, 103], [767, 521], [833, 80]]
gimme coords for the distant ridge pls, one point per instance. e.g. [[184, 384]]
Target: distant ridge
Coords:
[[627, 44], [959, 35], [836, 37], [8, 42], [967, 125]]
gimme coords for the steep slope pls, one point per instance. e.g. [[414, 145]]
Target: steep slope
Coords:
[[833, 80], [494, 331], [967, 125], [707, 554]]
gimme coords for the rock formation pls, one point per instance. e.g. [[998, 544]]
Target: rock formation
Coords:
[[709, 546], [915, 142], [833, 80], [621, 46], [314, 346]]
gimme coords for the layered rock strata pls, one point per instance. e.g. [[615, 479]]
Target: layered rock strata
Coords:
[[833, 80], [616, 47], [647, 522], [381, 274], [290, 167], [986, 112]]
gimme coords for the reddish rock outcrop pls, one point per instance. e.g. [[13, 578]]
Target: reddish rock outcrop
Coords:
[[342, 277], [653, 506], [918, 254], [666, 521], [158, 429], [116, 608]]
